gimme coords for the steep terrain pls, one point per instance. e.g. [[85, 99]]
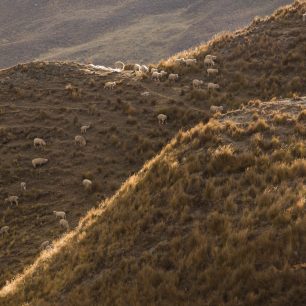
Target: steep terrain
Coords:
[[35, 101], [105, 31]]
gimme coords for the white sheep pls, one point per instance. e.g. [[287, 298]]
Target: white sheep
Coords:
[[209, 62], [87, 184], [153, 70], [4, 230], [119, 65], [213, 86], [144, 69], [39, 142], [136, 67], [156, 76], [213, 57], [39, 161], [212, 71], [59, 214], [180, 61], [80, 140], [110, 85], [190, 61], [173, 77], [12, 200], [84, 128], [304, 17], [162, 119], [197, 83], [216, 109], [23, 186], [64, 223], [163, 73], [45, 245]]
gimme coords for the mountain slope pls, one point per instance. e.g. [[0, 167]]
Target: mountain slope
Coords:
[[218, 217], [105, 31], [52, 100]]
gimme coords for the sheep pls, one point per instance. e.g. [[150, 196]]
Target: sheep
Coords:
[[209, 62], [139, 74], [211, 71], [60, 214], [173, 77], [39, 142], [213, 86], [144, 69], [23, 186], [4, 230], [180, 61], [163, 73], [45, 245], [64, 223], [197, 83], [137, 67], [153, 70], [110, 85], [87, 184], [156, 76], [190, 61], [119, 65], [84, 128], [39, 161], [209, 56], [216, 109], [80, 140], [162, 119], [304, 17], [12, 200]]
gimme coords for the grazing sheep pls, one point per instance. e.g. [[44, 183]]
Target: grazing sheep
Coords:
[[211, 71], [144, 69], [39, 142], [45, 245], [119, 65], [209, 62], [215, 109], [153, 70], [156, 76], [163, 73], [304, 17], [39, 161], [59, 214], [139, 74], [87, 184], [23, 186], [197, 83], [80, 140], [137, 67], [209, 56], [180, 61], [84, 128], [110, 85], [190, 61], [4, 230], [64, 223], [213, 86], [162, 119], [145, 93], [12, 200], [173, 77]]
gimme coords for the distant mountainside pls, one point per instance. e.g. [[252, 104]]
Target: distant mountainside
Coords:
[[106, 31]]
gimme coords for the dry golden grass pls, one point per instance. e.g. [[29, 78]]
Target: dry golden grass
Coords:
[[212, 218]]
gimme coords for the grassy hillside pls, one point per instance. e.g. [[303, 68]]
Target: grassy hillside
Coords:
[[105, 31], [217, 218], [36, 102]]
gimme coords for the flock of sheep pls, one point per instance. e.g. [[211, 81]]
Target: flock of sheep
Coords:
[[38, 162]]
